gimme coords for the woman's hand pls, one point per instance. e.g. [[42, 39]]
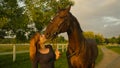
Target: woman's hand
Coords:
[[57, 53]]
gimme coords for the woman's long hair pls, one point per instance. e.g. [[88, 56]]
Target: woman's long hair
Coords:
[[34, 45]]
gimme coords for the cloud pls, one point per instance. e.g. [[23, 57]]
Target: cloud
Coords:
[[106, 25], [111, 21], [107, 2], [91, 6], [95, 14]]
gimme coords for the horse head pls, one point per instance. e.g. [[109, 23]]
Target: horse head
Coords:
[[58, 24]]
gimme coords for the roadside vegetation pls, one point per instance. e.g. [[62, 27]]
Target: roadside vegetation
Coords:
[[114, 48]]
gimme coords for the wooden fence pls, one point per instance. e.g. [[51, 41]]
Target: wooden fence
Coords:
[[61, 47]]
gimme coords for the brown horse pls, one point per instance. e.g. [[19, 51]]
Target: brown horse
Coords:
[[81, 52]]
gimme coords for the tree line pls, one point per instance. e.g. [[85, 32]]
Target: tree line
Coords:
[[100, 39], [19, 19], [22, 18]]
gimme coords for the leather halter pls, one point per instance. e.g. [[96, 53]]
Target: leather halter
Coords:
[[72, 54]]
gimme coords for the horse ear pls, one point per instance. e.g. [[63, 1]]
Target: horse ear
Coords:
[[68, 8], [58, 8]]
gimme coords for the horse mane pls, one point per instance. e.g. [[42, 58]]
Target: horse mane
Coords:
[[34, 45], [81, 38], [74, 19]]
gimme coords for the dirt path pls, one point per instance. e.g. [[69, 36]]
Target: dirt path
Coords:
[[110, 59]]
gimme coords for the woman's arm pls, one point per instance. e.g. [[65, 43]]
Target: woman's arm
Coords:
[[57, 53]]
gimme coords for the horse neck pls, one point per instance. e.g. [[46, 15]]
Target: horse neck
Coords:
[[76, 38]]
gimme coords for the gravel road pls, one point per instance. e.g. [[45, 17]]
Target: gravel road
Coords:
[[110, 59]]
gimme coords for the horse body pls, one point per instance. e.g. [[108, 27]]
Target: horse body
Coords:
[[81, 52]]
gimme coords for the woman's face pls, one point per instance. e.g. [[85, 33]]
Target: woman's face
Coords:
[[42, 39]]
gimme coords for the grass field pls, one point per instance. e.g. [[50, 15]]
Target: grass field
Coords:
[[114, 48], [23, 61]]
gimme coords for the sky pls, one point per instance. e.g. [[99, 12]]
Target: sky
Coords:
[[99, 16]]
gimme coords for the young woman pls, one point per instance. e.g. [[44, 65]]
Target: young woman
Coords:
[[42, 54]]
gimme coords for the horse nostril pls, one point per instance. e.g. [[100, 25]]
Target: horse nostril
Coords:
[[48, 34], [55, 33]]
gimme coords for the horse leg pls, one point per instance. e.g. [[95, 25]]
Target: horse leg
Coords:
[[68, 60], [93, 65]]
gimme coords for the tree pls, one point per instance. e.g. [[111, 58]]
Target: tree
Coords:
[[40, 12], [107, 41], [14, 17], [89, 34], [21, 36], [118, 39], [61, 39], [113, 40], [2, 34], [99, 38], [11, 15]]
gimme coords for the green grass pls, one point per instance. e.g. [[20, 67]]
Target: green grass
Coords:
[[114, 48], [23, 61], [5, 48], [62, 62], [100, 55]]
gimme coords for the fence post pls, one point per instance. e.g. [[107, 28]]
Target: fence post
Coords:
[[58, 47], [14, 52], [63, 48]]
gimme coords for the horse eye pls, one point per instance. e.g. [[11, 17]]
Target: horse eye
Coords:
[[61, 17]]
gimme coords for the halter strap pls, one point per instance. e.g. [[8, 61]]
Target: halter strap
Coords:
[[74, 53], [59, 28], [71, 54]]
